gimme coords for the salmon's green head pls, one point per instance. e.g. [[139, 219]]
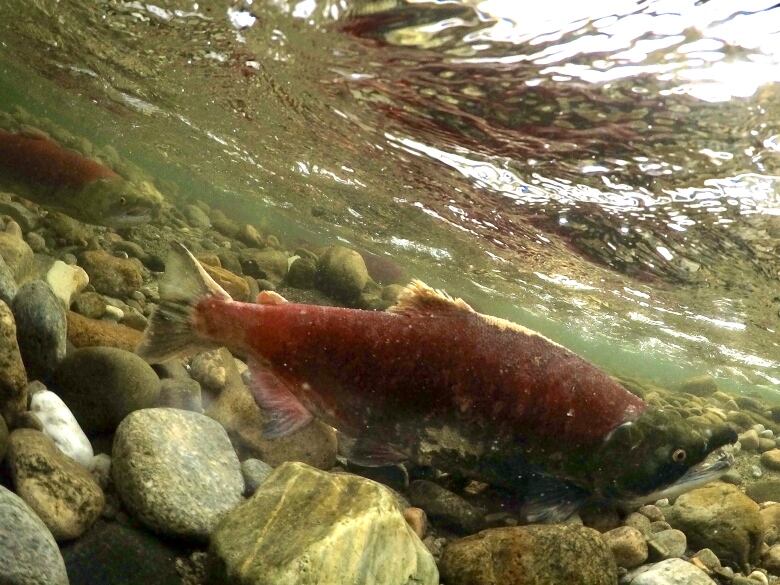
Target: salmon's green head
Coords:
[[116, 202], [659, 455]]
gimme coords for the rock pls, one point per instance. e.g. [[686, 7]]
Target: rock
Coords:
[[720, 517], [268, 264], [184, 394], [209, 370], [237, 411], [15, 251], [303, 523], [62, 492], [116, 277], [653, 513], [61, 426], [196, 216], [176, 471], [704, 385], [342, 273], [116, 554], [13, 378], [445, 507], [36, 242], [89, 304], [638, 521], [628, 546], [255, 473], [749, 440], [66, 281], [302, 273], [765, 490], [529, 555], [250, 236], [224, 224], [41, 328], [229, 261], [234, 285], [708, 559], [771, 459], [28, 553], [669, 572], [102, 385], [3, 438], [667, 544], [100, 468], [26, 218], [765, 445], [68, 230], [418, 520], [85, 332], [771, 559], [8, 285]]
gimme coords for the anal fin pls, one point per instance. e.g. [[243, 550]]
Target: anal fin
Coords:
[[273, 394]]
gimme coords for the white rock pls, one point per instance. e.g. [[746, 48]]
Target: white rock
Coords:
[[66, 280], [113, 313], [101, 469], [668, 572], [61, 426]]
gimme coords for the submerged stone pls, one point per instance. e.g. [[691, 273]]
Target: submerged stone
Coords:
[[530, 555], [28, 552], [304, 525], [13, 378], [41, 328], [62, 492], [176, 471], [669, 572], [720, 517]]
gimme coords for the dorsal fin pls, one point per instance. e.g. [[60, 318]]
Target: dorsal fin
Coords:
[[418, 297]]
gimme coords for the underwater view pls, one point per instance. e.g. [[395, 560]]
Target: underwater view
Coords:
[[389, 292]]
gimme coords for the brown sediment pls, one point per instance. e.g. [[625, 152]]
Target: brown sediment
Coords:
[[42, 161]]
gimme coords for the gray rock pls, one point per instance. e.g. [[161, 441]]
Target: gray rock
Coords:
[[628, 545], [196, 216], [255, 473], [36, 242], [342, 272], [176, 471], [720, 517], [653, 512], [8, 285], [268, 264], [41, 327], [765, 490], [181, 393], [749, 440], [529, 555], [28, 552], [13, 378], [250, 236], [302, 273], [638, 521], [89, 304], [669, 572], [306, 524], [62, 492], [667, 544], [208, 369], [704, 385], [15, 251], [445, 507], [230, 261], [116, 277], [102, 385], [26, 218]]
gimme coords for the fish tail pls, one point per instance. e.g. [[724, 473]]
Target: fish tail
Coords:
[[171, 330]]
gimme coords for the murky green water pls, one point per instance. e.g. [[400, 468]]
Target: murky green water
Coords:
[[607, 175]]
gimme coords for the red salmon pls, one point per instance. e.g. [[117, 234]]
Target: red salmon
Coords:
[[434, 382]]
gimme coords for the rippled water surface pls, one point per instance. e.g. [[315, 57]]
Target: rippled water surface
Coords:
[[607, 173]]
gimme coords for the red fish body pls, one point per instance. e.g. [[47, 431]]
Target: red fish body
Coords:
[[434, 382], [38, 159], [442, 364]]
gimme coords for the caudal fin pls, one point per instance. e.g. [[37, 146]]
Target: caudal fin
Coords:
[[170, 332]]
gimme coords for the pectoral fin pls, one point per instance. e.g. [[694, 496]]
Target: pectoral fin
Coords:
[[550, 500], [275, 396]]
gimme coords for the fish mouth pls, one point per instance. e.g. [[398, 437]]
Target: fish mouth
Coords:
[[131, 217], [712, 468]]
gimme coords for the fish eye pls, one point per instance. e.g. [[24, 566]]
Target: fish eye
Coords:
[[679, 455]]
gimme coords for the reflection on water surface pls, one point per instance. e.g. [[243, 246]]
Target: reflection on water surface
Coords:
[[608, 175]]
